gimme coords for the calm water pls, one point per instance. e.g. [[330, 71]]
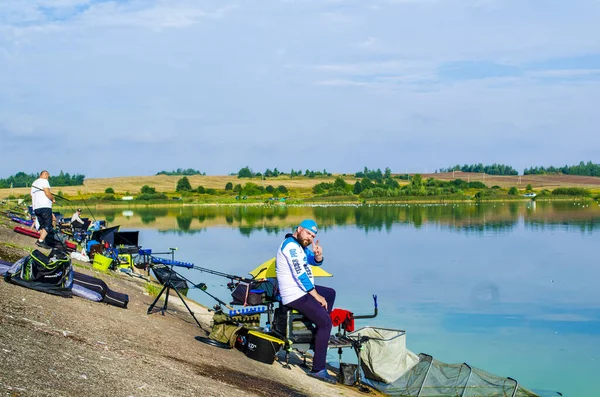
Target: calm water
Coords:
[[508, 288]]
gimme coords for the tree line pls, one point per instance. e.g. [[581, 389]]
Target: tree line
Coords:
[[248, 189], [586, 169], [493, 169], [21, 179], [583, 169], [387, 186], [247, 172], [180, 171]]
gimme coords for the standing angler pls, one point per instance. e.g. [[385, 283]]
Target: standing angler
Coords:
[[42, 200]]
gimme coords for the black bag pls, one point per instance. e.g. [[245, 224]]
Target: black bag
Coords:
[[243, 294], [254, 293], [269, 286], [164, 274], [349, 374], [95, 284], [52, 274], [51, 269], [57, 239]]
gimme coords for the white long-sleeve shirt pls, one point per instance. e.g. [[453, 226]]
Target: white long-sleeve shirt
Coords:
[[293, 267], [76, 217]]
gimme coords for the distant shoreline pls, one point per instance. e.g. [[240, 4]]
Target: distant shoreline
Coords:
[[299, 190], [137, 204]]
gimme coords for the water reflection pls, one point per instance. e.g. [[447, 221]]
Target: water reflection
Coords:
[[470, 218], [507, 287]]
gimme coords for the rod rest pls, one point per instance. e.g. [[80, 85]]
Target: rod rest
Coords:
[[170, 262], [248, 310]]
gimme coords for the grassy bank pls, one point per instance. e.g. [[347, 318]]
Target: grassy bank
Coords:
[[161, 190]]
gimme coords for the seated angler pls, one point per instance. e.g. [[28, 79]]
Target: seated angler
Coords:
[[76, 221], [298, 290]]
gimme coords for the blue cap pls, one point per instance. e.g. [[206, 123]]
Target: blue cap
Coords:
[[310, 225]]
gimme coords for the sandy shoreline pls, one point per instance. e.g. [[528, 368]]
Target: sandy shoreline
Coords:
[[56, 346]]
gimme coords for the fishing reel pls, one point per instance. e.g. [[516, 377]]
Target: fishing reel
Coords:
[[231, 285]]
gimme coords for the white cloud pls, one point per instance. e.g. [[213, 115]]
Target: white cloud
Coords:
[[565, 73], [207, 78], [345, 83]]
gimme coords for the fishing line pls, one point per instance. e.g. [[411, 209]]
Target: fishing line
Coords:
[[86, 206], [53, 194], [70, 205]]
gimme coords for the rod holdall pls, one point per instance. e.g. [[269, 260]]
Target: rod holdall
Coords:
[[51, 269], [52, 274]]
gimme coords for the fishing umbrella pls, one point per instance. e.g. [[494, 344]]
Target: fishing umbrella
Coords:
[[267, 270], [107, 234]]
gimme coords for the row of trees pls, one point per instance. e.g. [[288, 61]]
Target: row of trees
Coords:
[[584, 169], [587, 169], [21, 179], [494, 169], [374, 175], [367, 188], [246, 172], [364, 188], [389, 187], [181, 171], [248, 189]]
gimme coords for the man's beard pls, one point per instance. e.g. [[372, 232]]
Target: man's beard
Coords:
[[305, 242]]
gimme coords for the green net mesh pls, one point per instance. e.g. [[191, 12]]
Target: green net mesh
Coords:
[[391, 368]]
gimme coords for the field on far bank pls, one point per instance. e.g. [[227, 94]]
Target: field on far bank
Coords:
[[521, 181], [167, 183]]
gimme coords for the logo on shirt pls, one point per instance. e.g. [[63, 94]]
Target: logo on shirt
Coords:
[[307, 270], [293, 253], [297, 267]]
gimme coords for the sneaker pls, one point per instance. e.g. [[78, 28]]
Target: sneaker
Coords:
[[324, 376], [42, 244]]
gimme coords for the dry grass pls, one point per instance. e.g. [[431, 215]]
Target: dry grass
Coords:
[[166, 183], [521, 181]]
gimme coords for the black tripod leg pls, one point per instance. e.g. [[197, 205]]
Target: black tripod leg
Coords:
[[187, 307], [164, 309], [156, 300]]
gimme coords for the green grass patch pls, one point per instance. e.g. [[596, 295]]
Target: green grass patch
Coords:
[[11, 245], [152, 289]]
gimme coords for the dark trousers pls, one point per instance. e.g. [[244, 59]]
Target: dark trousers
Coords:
[[44, 216], [311, 309]]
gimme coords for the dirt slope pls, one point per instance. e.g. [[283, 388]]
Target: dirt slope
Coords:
[[74, 347]]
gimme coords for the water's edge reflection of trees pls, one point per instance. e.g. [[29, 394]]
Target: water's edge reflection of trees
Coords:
[[470, 218]]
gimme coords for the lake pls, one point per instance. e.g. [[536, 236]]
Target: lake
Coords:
[[510, 288]]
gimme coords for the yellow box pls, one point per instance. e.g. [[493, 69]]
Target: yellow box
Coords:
[[101, 262], [126, 260]]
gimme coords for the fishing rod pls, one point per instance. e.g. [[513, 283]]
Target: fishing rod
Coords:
[[201, 286], [53, 194], [86, 206], [171, 262], [66, 199]]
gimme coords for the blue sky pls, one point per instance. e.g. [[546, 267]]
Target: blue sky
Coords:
[[111, 88]]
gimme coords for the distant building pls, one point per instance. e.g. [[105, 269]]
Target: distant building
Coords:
[[127, 198], [529, 195]]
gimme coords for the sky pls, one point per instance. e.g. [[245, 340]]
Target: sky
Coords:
[[122, 88]]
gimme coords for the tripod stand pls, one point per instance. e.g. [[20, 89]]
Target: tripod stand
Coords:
[[168, 285]]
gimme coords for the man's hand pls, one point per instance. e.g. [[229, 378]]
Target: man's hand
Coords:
[[317, 250], [319, 298]]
